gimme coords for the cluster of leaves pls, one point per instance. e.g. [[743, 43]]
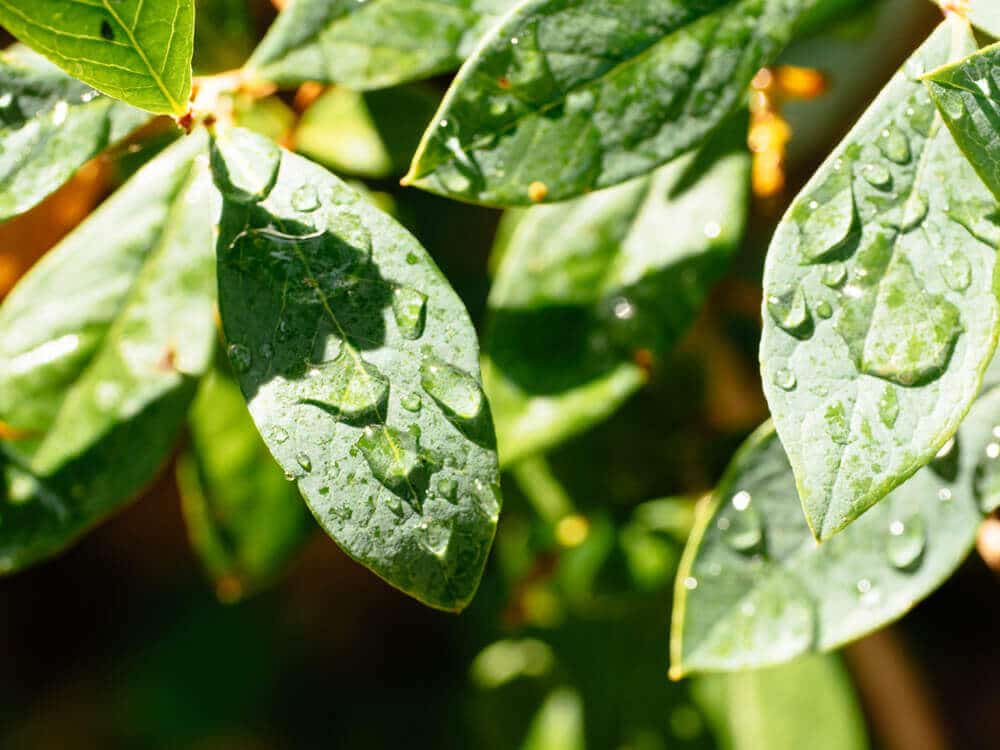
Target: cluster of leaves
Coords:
[[360, 365]]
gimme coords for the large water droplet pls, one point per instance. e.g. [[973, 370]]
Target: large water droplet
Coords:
[[834, 275], [826, 219], [957, 272], [305, 199], [455, 391], [986, 477], [893, 143], [411, 402], [888, 406], [352, 386], [877, 175], [410, 310], [906, 541], [785, 379], [304, 461], [789, 310], [394, 459], [240, 356], [824, 309], [979, 217], [434, 537], [914, 212]]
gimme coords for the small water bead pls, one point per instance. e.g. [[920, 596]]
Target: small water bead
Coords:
[[447, 487], [790, 312], [986, 477], [490, 499], [957, 272], [304, 461], [894, 145], [305, 199], [915, 211], [455, 391], [279, 434], [409, 307], [834, 275], [888, 406], [824, 309], [411, 402], [690, 583], [785, 379], [867, 592], [944, 495], [744, 531], [712, 230], [877, 176], [906, 542], [435, 537], [240, 356]]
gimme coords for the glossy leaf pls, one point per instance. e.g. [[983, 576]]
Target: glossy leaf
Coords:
[[138, 51], [967, 94], [100, 347], [755, 589], [880, 304], [588, 287], [807, 703], [360, 366], [373, 44], [547, 107], [245, 520]]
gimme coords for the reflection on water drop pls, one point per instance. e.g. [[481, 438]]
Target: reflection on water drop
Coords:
[[785, 379], [457, 393], [986, 477], [394, 459], [826, 220], [305, 199], [411, 402], [877, 175], [304, 461], [824, 310], [914, 212], [790, 312], [351, 385], [447, 487], [957, 272], [906, 542], [240, 356], [409, 308], [893, 143], [742, 530], [434, 537], [834, 274], [279, 435]]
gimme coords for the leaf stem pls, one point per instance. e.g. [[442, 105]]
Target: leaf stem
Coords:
[[545, 493]]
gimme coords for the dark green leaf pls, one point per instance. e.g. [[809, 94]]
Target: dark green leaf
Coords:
[[100, 347], [245, 520], [361, 369], [50, 124], [880, 303], [967, 94], [138, 51], [372, 44], [584, 286], [562, 98], [224, 35], [755, 589]]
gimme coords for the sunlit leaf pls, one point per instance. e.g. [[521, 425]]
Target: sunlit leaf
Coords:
[[360, 366], [563, 98], [138, 51], [245, 519], [371, 44], [880, 310], [100, 347], [589, 291], [558, 725]]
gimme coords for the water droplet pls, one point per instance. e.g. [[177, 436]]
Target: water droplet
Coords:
[[893, 143], [447, 487], [304, 461], [409, 307], [836, 423], [279, 434], [412, 259], [789, 310], [986, 477], [411, 402], [888, 406], [914, 212], [906, 541], [456, 392], [944, 495], [834, 275], [305, 199], [826, 220], [867, 592], [690, 583], [743, 530], [785, 379], [712, 230], [824, 310], [877, 175], [240, 356], [394, 459], [490, 499], [351, 385], [435, 537], [957, 272]]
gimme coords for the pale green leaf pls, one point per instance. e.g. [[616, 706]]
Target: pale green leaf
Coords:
[[967, 94], [245, 520], [100, 348], [880, 311], [50, 125], [373, 44], [585, 285], [360, 366], [558, 725], [138, 51], [563, 98], [755, 588], [985, 14]]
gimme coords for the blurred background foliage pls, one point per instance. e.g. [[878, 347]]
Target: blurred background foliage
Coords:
[[121, 642]]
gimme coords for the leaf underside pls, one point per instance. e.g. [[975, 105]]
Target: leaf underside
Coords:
[[138, 51], [880, 310], [360, 367], [546, 107]]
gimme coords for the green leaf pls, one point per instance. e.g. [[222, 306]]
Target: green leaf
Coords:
[[558, 725], [755, 589], [50, 125], [586, 284], [370, 135], [224, 35], [245, 520], [360, 366], [985, 14], [967, 94], [807, 703], [880, 305], [371, 45], [138, 51], [563, 98], [100, 347]]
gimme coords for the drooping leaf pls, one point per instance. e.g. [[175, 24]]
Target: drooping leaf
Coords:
[[807, 703], [371, 135], [755, 589], [373, 44], [588, 287], [967, 94], [100, 347], [563, 98], [50, 124], [138, 51], [880, 303], [360, 366], [245, 520]]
